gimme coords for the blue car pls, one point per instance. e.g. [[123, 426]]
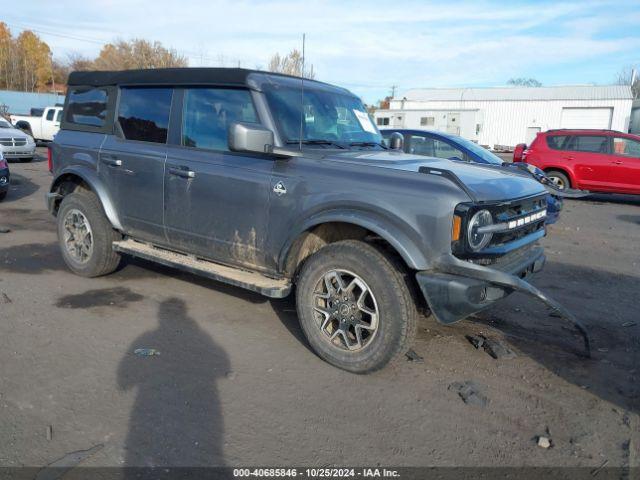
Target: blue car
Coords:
[[445, 145]]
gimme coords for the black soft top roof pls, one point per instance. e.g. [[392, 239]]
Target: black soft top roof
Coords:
[[178, 76]]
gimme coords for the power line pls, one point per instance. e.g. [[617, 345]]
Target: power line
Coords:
[[37, 29]]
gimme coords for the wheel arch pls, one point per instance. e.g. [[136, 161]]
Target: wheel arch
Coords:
[[568, 172], [72, 178], [330, 227]]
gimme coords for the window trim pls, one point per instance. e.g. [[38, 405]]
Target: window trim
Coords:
[[117, 128], [112, 94], [176, 139]]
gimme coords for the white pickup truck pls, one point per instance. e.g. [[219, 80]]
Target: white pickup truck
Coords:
[[40, 128]]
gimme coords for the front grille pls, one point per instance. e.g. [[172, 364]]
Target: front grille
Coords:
[[13, 142], [520, 209]]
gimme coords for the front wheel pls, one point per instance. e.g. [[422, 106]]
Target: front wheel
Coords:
[[355, 306], [86, 236], [559, 179]]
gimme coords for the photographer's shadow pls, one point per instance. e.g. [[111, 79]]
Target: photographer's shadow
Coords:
[[176, 420]]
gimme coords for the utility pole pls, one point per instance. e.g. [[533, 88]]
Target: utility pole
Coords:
[[393, 91]]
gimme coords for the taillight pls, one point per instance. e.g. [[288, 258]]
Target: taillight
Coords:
[[3, 164], [49, 159], [518, 152]]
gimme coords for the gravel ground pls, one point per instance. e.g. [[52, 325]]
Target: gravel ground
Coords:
[[236, 384]]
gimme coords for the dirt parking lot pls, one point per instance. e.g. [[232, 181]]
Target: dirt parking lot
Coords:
[[236, 384]]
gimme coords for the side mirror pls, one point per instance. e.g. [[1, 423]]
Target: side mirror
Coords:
[[247, 137], [396, 141]]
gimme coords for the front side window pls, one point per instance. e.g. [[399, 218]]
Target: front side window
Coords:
[[143, 113], [59, 116], [626, 147], [323, 115], [87, 107], [50, 114], [208, 113]]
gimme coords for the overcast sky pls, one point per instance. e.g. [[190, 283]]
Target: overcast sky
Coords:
[[366, 46]]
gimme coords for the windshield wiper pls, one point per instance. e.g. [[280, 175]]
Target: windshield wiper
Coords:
[[368, 144], [315, 142]]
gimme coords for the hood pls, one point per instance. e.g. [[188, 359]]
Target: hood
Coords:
[[13, 132], [485, 182]]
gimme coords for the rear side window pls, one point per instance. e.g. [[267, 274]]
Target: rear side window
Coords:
[[50, 114], [143, 113], [557, 142], [87, 107], [208, 113], [590, 143]]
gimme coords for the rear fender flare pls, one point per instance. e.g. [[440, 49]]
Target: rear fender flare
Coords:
[[90, 177]]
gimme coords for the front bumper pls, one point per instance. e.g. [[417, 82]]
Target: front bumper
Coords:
[[456, 289], [24, 151]]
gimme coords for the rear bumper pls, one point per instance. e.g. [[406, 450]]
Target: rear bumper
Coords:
[[457, 289]]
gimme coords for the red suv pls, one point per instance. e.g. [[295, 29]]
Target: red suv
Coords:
[[595, 160]]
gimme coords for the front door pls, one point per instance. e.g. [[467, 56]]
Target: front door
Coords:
[[625, 165], [216, 201], [132, 161]]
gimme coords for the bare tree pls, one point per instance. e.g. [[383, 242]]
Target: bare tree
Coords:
[[290, 64], [524, 82], [137, 53], [626, 77]]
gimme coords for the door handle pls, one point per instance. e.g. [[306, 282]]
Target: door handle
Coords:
[[183, 172], [568, 157], [617, 162], [112, 161]]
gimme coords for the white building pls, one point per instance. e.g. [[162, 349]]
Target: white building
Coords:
[[510, 115]]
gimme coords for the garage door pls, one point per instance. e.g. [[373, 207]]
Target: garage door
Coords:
[[586, 118]]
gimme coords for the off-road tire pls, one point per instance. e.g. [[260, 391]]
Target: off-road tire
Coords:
[[389, 283], [560, 176], [103, 259]]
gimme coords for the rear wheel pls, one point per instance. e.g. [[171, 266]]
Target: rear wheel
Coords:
[[86, 236], [355, 306], [559, 179]]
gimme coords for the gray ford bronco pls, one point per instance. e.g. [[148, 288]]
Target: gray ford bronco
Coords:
[[267, 182]]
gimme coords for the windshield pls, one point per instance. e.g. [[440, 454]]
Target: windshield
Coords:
[[330, 118], [4, 124], [481, 152]]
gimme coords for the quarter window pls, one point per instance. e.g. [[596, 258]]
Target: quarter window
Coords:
[[87, 107], [143, 113], [208, 113], [557, 142]]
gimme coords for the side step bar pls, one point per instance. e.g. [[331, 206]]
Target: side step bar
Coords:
[[233, 276]]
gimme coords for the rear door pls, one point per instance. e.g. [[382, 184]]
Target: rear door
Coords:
[[132, 160], [625, 165], [216, 201], [589, 156]]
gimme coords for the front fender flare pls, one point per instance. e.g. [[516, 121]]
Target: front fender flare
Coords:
[[407, 247], [90, 177]]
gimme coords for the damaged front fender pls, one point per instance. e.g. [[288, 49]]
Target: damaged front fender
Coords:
[[459, 289]]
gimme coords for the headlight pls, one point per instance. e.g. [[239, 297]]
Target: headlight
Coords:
[[30, 140], [477, 241]]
